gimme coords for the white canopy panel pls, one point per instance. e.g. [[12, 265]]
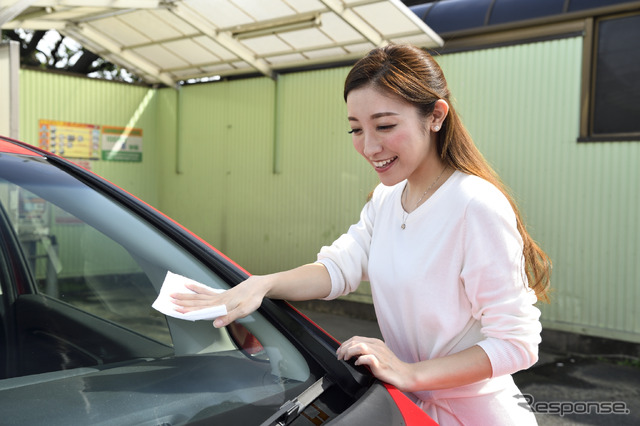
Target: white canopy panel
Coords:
[[173, 40]]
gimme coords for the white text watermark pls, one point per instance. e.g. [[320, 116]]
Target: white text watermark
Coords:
[[562, 408]]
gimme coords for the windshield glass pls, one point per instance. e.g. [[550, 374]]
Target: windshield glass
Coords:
[[95, 268]]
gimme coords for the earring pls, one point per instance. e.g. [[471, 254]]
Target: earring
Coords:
[[436, 128]]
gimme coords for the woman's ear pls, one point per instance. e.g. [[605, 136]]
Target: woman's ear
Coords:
[[440, 111]]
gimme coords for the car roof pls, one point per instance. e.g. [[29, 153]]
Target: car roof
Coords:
[[15, 147]]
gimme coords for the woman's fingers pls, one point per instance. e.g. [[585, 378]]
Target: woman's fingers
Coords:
[[201, 298], [240, 300], [376, 355], [198, 289], [222, 321], [358, 346], [370, 361]]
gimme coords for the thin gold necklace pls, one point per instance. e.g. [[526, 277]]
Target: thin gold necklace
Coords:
[[405, 215]]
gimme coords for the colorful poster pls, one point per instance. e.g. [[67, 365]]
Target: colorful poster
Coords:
[[70, 140], [121, 144], [32, 209]]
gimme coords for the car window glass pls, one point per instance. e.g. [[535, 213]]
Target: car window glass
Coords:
[[83, 311], [88, 250], [77, 264]]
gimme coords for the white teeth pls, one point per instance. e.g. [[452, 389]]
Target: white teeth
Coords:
[[383, 163]]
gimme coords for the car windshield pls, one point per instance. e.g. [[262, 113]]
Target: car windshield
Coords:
[[83, 312]]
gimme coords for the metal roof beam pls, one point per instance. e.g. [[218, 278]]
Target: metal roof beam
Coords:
[[32, 21], [420, 24], [8, 13], [106, 4], [351, 18], [35, 24], [85, 32], [225, 39], [81, 18]]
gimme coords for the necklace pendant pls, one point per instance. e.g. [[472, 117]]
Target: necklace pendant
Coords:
[[403, 226]]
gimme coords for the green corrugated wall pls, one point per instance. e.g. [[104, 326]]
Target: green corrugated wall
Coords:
[[581, 200], [54, 96], [267, 189], [265, 170]]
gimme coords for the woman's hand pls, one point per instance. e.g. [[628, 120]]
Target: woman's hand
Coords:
[[240, 300], [462, 368], [383, 363]]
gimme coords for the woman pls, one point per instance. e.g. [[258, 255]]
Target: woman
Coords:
[[454, 274]]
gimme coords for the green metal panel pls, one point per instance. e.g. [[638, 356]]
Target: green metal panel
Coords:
[[521, 104], [53, 96], [267, 189], [265, 170], [581, 200], [323, 182], [220, 166], [88, 101]]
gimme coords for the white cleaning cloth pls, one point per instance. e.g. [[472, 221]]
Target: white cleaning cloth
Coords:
[[174, 283]]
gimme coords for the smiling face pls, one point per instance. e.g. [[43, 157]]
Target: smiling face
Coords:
[[392, 136]]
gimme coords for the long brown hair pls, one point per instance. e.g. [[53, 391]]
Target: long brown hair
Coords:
[[412, 74]]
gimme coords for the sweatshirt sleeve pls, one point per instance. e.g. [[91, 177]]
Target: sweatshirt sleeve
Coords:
[[495, 282], [347, 259]]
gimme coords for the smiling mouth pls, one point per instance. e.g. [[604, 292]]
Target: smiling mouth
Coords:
[[384, 163]]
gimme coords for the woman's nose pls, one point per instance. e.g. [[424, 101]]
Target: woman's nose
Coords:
[[372, 146]]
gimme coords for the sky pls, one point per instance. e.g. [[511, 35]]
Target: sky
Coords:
[[48, 43]]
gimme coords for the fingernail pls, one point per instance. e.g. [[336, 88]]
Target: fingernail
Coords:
[[217, 323]]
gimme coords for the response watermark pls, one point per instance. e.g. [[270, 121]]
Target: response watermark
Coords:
[[562, 408]]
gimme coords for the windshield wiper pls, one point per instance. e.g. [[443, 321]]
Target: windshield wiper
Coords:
[[293, 407]]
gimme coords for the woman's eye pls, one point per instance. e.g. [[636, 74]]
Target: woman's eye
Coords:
[[386, 127], [354, 131]]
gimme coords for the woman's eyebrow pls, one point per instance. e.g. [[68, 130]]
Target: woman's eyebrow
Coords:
[[383, 114], [376, 115]]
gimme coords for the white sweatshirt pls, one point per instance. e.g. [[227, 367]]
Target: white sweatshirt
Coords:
[[452, 279]]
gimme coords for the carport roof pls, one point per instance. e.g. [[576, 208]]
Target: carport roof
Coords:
[[167, 41]]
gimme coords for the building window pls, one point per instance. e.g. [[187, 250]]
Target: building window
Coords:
[[614, 109]]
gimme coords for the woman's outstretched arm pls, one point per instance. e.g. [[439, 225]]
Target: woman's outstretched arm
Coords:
[[306, 282]]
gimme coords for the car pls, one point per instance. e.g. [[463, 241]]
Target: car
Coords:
[[82, 261]]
